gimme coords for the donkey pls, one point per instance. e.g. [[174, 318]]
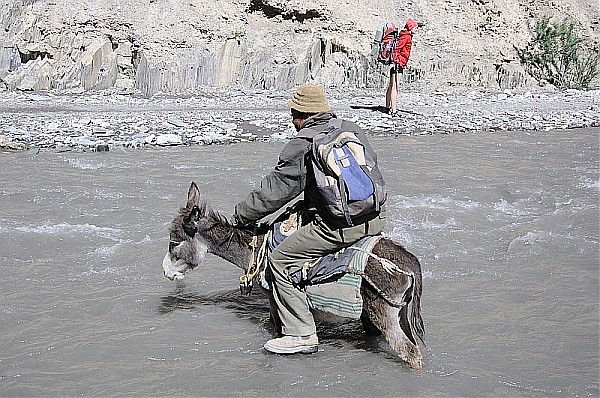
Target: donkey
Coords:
[[391, 293]]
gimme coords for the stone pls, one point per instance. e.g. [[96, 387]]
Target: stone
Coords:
[[75, 121], [98, 66], [176, 122], [168, 140], [5, 143]]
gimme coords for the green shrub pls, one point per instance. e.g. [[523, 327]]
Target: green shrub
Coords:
[[557, 55]]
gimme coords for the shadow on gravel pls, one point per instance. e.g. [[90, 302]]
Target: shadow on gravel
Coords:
[[374, 108], [382, 109]]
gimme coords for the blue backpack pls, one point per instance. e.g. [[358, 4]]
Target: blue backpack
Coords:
[[346, 173]]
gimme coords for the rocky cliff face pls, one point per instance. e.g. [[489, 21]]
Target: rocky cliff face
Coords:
[[178, 46]]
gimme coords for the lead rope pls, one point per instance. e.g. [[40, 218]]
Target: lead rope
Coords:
[[253, 268]]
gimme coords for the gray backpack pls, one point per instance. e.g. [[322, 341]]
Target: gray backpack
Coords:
[[346, 173]]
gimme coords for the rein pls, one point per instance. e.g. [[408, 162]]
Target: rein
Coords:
[[253, 265]]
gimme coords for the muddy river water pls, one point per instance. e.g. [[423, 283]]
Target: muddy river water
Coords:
[[505, 225]]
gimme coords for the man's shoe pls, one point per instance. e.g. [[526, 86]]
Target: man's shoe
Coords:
[[293, 344]]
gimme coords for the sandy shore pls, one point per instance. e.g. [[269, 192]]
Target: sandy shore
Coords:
[[105, 120]]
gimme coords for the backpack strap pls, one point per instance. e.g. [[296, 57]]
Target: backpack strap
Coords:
[[334, 123], [344, 199], [309, 132]]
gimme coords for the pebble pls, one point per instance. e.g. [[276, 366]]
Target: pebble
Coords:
[[105, 121]]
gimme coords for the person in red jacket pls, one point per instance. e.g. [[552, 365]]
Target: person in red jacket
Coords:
[[400, 57]]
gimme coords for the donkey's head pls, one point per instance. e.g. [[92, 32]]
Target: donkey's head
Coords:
[[186, 250]]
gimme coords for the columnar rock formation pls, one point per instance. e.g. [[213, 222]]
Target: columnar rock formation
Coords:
[[177, 46]]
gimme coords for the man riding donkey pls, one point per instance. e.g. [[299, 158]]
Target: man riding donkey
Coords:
[[324, 232]]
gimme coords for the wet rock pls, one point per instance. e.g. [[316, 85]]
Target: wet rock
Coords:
[[6, 143], [83, 142]]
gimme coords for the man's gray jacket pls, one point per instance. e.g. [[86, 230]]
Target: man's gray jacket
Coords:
[[291, 176]]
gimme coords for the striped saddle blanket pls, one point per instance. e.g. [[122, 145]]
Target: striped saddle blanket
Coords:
[[333, 282]]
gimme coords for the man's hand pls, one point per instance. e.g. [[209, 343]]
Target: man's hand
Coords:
[[233, 220], [255, 226]]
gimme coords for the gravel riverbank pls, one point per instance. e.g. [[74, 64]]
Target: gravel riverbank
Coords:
[[109, 120]]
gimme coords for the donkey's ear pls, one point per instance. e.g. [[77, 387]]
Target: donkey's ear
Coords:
[[193, 196], [190, 222]]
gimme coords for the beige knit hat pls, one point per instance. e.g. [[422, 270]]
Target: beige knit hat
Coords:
[[309, 99]]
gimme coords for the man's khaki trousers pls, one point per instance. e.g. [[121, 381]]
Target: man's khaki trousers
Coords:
[[310, 242]]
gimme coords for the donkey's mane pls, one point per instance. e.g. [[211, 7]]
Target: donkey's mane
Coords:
[[213, 215]]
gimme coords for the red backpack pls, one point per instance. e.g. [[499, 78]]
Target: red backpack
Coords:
[[385, 42]]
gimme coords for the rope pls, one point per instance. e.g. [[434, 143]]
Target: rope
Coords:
[[253, 268], [387, 265], [388, 299]]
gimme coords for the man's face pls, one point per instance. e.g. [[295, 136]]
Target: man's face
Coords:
[[297, 119]]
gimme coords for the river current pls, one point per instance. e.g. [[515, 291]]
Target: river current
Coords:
[[505, 224]]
